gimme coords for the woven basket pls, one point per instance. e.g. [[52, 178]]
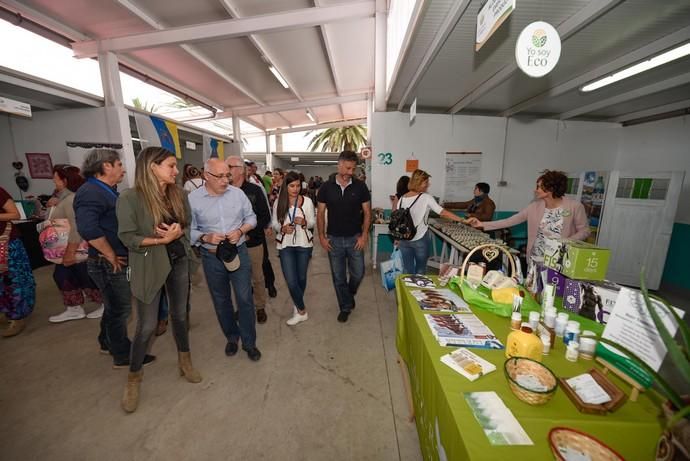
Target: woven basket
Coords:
[[488, 246], [516, 366], [563, 437]]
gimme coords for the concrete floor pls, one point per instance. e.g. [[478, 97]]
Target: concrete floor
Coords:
[[322, 390]]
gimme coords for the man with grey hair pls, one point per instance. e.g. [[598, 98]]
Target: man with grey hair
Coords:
[[222, 217], [94, 209]]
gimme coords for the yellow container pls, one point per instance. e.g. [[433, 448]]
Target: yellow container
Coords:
[[522, 343]]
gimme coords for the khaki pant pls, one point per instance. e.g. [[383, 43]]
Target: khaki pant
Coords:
[[256, 254]]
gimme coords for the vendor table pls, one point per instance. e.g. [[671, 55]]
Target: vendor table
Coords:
[[447, 427]]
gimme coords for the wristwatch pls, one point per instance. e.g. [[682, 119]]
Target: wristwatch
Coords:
[[201, 238]]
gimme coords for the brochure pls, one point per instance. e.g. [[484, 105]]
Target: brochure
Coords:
[[464, 330], [440, 300], [418, 281], [498, 422], [467, 363]]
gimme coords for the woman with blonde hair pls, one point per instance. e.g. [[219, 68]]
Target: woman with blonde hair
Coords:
[[154, 220], [415, 252]]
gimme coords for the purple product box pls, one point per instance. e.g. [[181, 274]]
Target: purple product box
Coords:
[[592, 300], [556, 279]]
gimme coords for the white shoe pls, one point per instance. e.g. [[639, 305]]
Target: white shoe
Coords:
[[97, 314], [71, 313], [297, 318]]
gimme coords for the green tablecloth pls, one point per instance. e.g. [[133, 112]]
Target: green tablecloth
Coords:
[[445, 423]]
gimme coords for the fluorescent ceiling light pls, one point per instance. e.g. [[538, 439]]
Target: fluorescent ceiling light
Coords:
[[311, 117], [294, 159], [325, 161], [280, 78], [656, 61]]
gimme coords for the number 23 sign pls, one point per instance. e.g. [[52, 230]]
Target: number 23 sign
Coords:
[[385, 158]]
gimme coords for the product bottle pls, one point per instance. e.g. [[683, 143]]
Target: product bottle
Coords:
[[522, 343], [572, 351]]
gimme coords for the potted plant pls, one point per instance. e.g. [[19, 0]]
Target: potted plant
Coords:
[[674, 443]]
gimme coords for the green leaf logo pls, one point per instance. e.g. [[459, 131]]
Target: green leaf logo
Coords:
[[539, 38]]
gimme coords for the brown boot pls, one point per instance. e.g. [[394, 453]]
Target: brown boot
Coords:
[[130, 399], [186, 368], [14, 328]]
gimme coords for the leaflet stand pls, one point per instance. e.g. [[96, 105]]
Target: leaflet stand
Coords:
[[636, 387]]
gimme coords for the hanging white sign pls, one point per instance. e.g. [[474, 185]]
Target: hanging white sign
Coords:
[[538, 49], [490, 18], [15, 107]]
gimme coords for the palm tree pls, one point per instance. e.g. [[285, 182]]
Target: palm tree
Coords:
[[338, 139], [143, 105]]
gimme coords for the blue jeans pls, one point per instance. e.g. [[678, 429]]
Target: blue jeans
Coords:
[[345, 259], [415, 255], [219, 279], [117, 302], [295, 261]]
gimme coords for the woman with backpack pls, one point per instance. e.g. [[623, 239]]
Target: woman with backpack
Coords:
[[415, 251], [293, 221]]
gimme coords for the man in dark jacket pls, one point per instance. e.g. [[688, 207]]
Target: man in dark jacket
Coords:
[[256, 237], [480, 207]]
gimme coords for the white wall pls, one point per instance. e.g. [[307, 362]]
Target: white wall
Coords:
[[47, 132], [659, 146], [532, 145]]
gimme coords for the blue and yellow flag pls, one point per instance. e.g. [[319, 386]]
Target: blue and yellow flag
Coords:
[[167, 133]]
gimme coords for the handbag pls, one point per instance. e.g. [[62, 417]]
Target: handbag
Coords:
[[54, 237], [5, 248], [391, 269]]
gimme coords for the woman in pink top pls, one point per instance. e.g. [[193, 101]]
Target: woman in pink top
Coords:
[[549, 216]]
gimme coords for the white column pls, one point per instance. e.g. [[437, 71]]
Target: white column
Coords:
[[117, 116], [237, 135], [380, 56], [269, 155], [279, 142]]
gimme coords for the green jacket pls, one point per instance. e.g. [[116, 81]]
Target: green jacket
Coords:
[[149, 265]]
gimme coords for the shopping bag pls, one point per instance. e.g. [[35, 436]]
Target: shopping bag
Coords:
[[54, 237], [391, 269]]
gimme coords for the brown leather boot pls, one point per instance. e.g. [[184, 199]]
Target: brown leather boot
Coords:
[[130, 399], [186, 368], [14, 328]]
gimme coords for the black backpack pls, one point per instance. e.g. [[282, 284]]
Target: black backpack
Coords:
[[401, 225]]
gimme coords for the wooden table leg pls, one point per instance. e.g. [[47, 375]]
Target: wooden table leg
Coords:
[[407, 386]]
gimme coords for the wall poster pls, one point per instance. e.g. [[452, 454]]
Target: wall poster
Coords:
[[40, 165], [463, 171]]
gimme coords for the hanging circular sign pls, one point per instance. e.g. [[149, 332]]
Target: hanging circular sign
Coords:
[[538, 49], [366, 152]]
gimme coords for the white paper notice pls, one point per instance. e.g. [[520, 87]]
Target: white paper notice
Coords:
[[631, 326], [463, 171]]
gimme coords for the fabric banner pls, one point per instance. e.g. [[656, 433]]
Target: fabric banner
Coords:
[[213, 148], [154, 131]]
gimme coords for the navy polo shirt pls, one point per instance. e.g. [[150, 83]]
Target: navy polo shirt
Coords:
[[345, 215]]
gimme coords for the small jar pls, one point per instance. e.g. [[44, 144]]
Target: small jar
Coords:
[[515, 321], [588, 345], [546, 340], [561, 322], [534, 320], [550, 318], [572, 352], [572, 332]]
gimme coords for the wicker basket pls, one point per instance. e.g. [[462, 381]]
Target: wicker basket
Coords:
[[563, 437], [516, 366]]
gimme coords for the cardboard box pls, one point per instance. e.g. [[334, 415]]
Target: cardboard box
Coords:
[[593, 300], [577, 260], [555, 278]]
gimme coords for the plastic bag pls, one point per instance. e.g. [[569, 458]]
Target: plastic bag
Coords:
[[482, 299], [391, 269]]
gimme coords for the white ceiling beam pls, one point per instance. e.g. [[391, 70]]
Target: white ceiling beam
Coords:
[[420, 5], [356, 121], [293, 106], [656, 87], [684, 104], [274, 22], [456, 11], [51, 88], [73, 34], [566, 29], [331, 63], [650, 49]]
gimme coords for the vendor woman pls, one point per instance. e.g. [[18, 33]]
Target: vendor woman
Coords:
[[549, 216], [480, 207]]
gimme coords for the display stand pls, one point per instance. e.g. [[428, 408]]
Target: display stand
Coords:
[[636, 387]]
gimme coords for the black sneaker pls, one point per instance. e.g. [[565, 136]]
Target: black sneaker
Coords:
[[231, 349], [254, 354], [261, 316], [272, 292], [124, 363], [342, 316]]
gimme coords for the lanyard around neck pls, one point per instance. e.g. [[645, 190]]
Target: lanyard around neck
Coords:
[[294, 211], [103, 186]]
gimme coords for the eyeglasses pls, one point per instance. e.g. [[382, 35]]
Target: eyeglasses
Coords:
[[236, 166], [227, 176]]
